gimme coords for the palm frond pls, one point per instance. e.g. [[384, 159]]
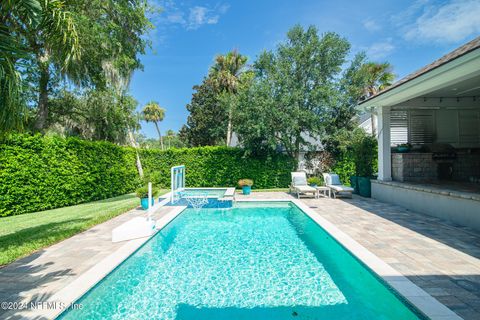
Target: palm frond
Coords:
[[12, 13], [60, 33]]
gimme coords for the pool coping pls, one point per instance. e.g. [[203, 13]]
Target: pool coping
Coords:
[[416, 296]]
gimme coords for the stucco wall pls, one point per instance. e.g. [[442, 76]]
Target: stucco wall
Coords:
[[463, 211]]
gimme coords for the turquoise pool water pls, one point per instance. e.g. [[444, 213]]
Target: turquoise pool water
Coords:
[[261, 261]]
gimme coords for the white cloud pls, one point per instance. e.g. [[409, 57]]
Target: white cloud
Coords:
[[190, 18], [371, 25], [176, 17], [380, 50], [446, 22], [199, 16]]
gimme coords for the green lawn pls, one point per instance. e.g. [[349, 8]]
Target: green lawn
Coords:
[[26, 233]]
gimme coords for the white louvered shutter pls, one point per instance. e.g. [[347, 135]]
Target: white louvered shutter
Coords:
[[422, 127], [398, 127]]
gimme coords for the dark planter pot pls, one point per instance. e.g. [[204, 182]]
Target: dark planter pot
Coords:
[[246, 190], [364, 187], [314, 185], [403, 149], [354, 184], [144, 203]]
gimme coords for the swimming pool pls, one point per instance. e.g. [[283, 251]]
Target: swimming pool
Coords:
[[204, 198], [254, 261], [208, 192]]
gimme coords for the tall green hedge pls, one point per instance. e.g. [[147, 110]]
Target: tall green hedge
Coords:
[[39, 173], [357, 156], [217, 167]]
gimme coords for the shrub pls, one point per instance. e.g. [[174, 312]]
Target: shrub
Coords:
[[355, 155], [142, 192], [245, 182], [364, 150], [315, 181], [40, 173], [217, 167]]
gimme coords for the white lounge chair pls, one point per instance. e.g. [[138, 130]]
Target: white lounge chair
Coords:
[[300, 186], [332, 181]]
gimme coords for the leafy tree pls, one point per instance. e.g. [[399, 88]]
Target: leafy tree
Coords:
[[93, 115], [40, 29], [226, 74], [293, 91], [376, 76], [53, 44], [91, 43], [170, 134], [173, 138], [11, 50], [152, 112], [208, 120]]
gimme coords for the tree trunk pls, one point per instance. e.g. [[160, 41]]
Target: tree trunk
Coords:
[[297, 152], [138, 161], [229, 128], [42, 111], [229, 125], [159, 135]]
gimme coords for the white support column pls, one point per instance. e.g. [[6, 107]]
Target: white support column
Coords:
[[384, 150]]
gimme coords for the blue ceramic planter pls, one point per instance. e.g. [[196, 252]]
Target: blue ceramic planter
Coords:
[[144, 203], [246, 190]]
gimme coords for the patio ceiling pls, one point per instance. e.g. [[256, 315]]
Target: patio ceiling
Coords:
[[456, 74], [465, 88]]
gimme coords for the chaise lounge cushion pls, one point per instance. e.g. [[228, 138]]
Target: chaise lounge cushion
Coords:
[[305, 189], [334, 180], [299, 181], [341, 188]]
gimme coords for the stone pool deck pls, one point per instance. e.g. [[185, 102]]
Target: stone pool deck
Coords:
[[441, 258]]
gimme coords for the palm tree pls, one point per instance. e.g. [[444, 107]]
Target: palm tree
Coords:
[[152, 112], [47, 30], [26, 12], [226, 73], [378, 76], [170, 134]]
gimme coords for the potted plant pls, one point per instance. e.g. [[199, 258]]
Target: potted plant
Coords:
[[404, 147], [246, 185], [364, 153], [354, 183], [314, 181], [142, 193]]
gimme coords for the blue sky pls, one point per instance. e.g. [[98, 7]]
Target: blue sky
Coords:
[[188, 35]]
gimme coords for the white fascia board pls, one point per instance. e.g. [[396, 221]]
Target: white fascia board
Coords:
[[462, 68]]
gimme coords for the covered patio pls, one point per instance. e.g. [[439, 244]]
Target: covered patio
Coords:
[[429, 138]]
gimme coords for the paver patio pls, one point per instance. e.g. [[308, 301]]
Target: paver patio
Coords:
[[438, 256], [441, 258]]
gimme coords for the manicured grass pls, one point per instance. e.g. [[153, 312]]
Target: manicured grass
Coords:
[[26, 233]]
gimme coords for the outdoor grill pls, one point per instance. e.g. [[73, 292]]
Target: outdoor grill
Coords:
[[444, 155], [442, 152]]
